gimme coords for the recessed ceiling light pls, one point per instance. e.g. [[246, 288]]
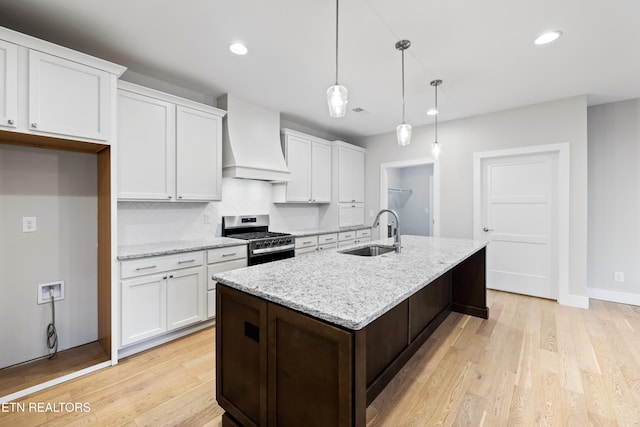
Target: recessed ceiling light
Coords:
[[238, 49], [432, 112], [548, 37]]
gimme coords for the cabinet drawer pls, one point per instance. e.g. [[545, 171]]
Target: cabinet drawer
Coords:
[[363, 233], [305, 250], [327, 238], [328, 246], [220, 267], [306, 242], [141, 267], [346, 235], [346, 243], [226, 254]]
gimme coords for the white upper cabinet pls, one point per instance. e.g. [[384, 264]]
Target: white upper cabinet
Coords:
[[309, 162], [53, 91], [351, 174], [169, 148], [8, 84], [321, 172], [67, 98], [198, 155], [298, 157], [146, 147]]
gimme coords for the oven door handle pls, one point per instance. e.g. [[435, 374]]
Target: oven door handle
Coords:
[[271, 250]]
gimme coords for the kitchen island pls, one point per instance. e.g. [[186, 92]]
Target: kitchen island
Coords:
[[312, 340]]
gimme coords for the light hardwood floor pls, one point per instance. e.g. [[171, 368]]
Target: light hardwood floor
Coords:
[[32, 373], [533, 362]]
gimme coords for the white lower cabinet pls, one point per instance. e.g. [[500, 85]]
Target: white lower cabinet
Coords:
[[327, 241], [219, 260], [160, 294], [346, 239], [142, 310], [363, 236], [306, 244], [185, 298]]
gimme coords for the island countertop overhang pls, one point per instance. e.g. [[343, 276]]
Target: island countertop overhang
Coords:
[[352, 291]]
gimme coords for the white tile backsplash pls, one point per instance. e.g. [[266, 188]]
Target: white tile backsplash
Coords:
[[149, 222]]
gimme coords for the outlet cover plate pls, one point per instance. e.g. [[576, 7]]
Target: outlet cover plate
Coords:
[[44, 297], [29, 224]]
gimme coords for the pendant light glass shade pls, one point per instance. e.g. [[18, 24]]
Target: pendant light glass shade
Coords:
[[337, 94], [403, 133], [337, 100], [435, 150]]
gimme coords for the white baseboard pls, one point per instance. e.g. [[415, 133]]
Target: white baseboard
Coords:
[[578, 301], [614, 296], [154, 342]]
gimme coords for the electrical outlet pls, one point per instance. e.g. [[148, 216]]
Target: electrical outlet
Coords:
[[44, 292], [618, 276], [29, 224], [207, 218]]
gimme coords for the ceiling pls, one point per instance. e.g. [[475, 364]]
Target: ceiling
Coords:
[[483, 50]]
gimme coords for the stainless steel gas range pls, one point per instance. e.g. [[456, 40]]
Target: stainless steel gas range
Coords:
[[264, 245]]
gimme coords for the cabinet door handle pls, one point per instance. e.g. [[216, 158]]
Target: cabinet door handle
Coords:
[[346, 236], [328, 239], [179, 197], [171, 276], [169, 197], [307, 242], [11, 121], [186, 261], [164, 277], [486, 230], [145, 268], [34, 125], [226, 255], [353, 200]]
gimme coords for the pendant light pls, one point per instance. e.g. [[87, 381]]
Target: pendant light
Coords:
[[435, 147], [403, 131], [337, 94]]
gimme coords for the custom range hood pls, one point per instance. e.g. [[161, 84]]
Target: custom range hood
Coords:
[[251, 141]]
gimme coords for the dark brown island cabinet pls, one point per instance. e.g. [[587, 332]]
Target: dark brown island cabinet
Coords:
[[278, 367]]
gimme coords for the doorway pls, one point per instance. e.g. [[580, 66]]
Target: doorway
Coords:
[[521, 207], [411, 189]]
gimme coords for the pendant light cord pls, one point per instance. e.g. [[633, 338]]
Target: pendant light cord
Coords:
[[337, 17], [402, 86], [437, 112]]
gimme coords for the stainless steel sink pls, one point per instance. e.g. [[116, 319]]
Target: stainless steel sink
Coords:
[[371, 250]]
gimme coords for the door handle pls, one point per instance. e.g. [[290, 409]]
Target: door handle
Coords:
[[486, 230]]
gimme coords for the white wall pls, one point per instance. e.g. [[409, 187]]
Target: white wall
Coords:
[[563, 120], [150, 222], [59, 188], [614, 201]]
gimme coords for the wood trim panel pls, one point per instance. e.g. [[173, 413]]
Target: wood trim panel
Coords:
[[104, 250], [41, 141]]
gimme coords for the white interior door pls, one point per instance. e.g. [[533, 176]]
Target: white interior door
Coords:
[[519, 215]]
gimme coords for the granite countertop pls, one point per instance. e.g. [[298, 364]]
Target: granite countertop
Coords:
[[174, 247], [347, 290], [318, 231]]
